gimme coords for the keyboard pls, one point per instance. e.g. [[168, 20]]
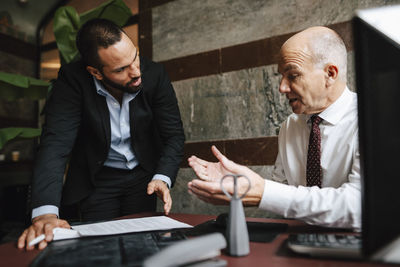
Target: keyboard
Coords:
[[326, 245]]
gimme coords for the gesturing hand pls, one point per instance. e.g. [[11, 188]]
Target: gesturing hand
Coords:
[[208, 187], [213, 171], [163, 193]]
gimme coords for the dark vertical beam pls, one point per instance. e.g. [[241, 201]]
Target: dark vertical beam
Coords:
[[145, 30], [40, 29]]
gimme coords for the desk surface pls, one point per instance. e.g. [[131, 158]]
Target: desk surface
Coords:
[[273, 254]]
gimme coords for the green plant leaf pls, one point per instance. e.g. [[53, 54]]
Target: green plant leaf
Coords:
[[67, 23], [65, 27], [15, 86], [115, 10], [7, 134]]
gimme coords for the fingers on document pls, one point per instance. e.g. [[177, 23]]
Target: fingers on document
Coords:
[[48, 231], [42, 228], [63, 224], [27, 236]]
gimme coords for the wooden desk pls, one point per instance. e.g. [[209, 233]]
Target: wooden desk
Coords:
[[271, 254]]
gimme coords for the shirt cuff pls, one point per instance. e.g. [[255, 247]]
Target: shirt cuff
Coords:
[[277, 197], [164, 178], [46, 209]]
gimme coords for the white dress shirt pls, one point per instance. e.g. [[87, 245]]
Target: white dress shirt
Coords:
[[338, 202]]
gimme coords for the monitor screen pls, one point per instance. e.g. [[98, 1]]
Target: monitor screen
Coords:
[[377, 59]]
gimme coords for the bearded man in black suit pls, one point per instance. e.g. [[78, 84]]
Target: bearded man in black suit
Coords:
[[113, 116]]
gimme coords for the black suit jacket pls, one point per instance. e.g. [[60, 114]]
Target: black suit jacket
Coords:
[[77, 128]]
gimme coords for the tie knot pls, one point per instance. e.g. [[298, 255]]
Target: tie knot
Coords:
[[315, 119]]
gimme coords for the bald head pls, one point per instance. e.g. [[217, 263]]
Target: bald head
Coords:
[[323, 46], [313, 66]]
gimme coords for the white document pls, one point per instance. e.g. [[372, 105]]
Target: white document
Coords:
[[129, 226], [64, 233], [59, 234]]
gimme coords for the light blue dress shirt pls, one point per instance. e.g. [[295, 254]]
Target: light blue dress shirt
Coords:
[[120, 155]]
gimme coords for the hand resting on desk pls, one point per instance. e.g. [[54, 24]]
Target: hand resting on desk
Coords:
[[208, 187], [43, 224]]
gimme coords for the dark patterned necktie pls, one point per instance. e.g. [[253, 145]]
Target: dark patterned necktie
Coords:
[[314, 170]]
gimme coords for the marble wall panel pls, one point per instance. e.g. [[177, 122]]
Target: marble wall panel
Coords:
[[186, 27], [236, 104]]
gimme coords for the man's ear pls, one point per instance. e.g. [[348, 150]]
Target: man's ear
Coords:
[[332, 73], [95, 72]]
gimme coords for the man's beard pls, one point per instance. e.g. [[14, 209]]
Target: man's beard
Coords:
[[125, 88]]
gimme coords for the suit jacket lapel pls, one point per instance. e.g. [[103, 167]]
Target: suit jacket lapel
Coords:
[[105, 116], [134, 108]]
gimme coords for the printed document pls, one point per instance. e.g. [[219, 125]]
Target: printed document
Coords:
[[116, 227], [129, 226]]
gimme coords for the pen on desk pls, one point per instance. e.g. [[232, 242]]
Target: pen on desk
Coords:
[[36, 240]]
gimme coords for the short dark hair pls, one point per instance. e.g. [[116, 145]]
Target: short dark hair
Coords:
[[94, 34]]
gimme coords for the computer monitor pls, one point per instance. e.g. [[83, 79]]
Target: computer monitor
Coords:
[[377, 59]]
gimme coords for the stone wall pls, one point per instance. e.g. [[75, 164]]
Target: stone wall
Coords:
[[186, 27], [243, 103]]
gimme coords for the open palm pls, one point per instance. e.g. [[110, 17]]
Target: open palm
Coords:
[[208, 187], [213, 171]]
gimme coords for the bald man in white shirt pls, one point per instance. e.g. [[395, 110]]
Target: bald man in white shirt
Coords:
[[313, 65]]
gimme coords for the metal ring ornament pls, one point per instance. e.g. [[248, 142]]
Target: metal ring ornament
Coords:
[[235, 177]]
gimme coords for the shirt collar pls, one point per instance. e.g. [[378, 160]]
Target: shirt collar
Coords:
[[335, 112], [100, 88], [338, 109]]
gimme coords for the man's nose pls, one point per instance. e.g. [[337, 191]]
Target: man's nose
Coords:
[[284, 87], [134, 71]]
